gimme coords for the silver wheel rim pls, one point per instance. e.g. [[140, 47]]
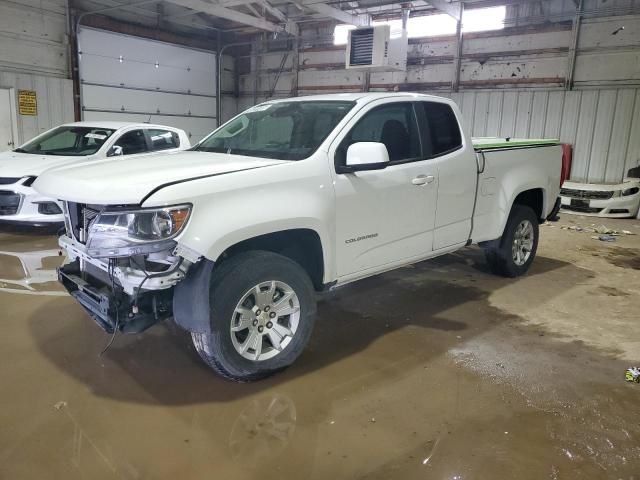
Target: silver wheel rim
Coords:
[[265, 320], [522, 243]]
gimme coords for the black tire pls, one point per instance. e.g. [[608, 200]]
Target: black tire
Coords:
[[229, 283], [499, 253]]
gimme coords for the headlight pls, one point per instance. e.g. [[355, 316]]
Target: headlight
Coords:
[[132, 232], [630, 191]]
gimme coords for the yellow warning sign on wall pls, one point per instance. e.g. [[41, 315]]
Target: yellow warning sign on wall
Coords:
[[27, 102]]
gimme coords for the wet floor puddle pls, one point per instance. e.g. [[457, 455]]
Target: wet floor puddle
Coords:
[[408, 375]]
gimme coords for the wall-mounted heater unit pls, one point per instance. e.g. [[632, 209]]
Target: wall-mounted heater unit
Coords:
[[377, 48]]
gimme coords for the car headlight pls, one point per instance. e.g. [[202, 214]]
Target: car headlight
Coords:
[[132, 232], [630, 191]]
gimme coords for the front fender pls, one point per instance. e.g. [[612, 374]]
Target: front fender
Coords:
[[229, 209], [191, 309], [234, 237]]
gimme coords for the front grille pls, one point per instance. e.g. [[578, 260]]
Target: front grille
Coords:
[[81, 217], [587, 194], [580, 208], [8, 180], [9, 202]]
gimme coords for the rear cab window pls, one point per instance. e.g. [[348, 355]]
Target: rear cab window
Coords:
[[439, 128]]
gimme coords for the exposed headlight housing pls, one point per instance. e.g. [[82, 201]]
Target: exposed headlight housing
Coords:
[[118, 233]]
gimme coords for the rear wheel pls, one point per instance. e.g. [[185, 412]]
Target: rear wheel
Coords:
[[262, 314], [513, 253]]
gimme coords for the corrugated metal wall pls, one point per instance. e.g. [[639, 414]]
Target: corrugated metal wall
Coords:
[[32, 37], [55, 102], [603, 125], [558, 10], [512, 82], [33, 56]]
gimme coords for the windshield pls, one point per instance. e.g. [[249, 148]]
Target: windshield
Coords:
[[283, 130], [70, 140]]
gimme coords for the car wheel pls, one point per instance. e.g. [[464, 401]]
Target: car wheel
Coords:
[[513, 253], [262, 313]]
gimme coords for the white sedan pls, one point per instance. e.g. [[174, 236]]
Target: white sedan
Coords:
[[72, 143]]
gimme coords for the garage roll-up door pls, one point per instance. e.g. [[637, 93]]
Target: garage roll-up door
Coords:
[[134, 79]]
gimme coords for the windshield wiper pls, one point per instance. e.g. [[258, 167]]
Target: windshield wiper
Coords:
[[20, 150], [211, 150], [61, 154]]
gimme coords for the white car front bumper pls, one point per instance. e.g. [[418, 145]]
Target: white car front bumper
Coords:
[[21, 204], [601, 200]]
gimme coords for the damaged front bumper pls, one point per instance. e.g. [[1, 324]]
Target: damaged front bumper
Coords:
[[117, 295], [112, 309], [128, 278]]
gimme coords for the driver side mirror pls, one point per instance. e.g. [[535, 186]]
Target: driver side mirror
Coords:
[[366, 156], [115, 151]]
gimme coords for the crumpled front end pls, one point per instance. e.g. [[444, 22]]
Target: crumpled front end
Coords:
[[123, 287]]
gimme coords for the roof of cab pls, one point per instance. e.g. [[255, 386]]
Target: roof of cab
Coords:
[[363, 97]]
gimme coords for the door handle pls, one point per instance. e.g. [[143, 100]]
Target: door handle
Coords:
[[423, 179]]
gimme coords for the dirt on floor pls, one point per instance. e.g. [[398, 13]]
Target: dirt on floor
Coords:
[[435, 371]]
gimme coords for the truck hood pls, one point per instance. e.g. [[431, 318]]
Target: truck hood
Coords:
[[14, 164], [128, 180]]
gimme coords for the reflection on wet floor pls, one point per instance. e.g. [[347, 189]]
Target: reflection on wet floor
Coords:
[[417, 373]]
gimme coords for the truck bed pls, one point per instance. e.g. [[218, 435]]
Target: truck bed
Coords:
[[510, 167]]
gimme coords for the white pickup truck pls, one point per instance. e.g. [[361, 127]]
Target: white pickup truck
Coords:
[[234, 237]]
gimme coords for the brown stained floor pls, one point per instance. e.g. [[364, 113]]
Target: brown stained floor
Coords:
[[435, 371]]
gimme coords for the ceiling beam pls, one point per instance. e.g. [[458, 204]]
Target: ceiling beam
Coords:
[[273, 10], [253, 10], [336, 13], [450, 8], [220, 11], [233, 3]]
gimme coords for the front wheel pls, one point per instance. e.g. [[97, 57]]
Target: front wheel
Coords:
[[262, 314], [513, 253]]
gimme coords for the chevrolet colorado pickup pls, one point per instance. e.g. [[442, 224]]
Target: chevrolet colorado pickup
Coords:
[[234, 237]]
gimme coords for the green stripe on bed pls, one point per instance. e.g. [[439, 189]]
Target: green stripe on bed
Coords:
[[486, 144]]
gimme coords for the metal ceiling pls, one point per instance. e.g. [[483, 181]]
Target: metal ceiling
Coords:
[[203, 17]]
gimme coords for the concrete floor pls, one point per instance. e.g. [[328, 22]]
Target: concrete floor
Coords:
[[436, 371]]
